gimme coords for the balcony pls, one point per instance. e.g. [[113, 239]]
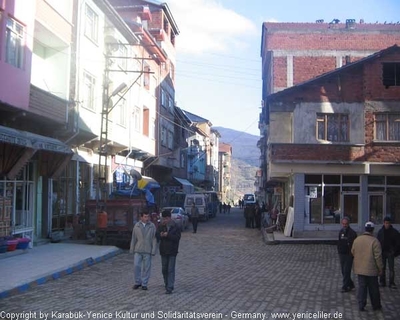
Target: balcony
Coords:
[[48, 105]]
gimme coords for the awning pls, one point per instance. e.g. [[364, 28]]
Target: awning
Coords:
[[186, 185], [147, 183], [20, 146]]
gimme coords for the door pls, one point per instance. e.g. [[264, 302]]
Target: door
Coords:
[[350, 207], [376, 208]]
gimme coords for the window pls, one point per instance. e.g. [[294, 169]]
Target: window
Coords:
[[164, 136], [163, 98], [391, 74], [136, 119], [333, 127], [146, 77], [91, 24], [153, 128], [171, 104], [14, 43], [170, 140], [387, 127], [121, 116], [88, 94], [122, 53]]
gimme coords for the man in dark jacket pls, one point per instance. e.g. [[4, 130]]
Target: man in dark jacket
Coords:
[[346, 239], [388, 237], [168, 235]]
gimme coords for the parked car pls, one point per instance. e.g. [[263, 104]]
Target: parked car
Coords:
[[178, 215]]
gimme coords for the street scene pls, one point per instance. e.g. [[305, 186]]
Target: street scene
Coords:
[[224, 271]]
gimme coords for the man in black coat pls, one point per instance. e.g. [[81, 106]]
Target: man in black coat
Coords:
[[168, 235], [389, 238], [346, 238]]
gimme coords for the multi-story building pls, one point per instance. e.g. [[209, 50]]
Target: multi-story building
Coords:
[[35, 40], [333, 144], [225, 158], [296, 52]]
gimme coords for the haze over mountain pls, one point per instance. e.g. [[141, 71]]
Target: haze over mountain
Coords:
[[245, 159]]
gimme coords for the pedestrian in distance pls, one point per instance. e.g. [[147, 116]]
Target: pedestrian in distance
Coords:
[[368, 266], [168, 236], [346, 238], [194, 216], [143, 246], [389, 239]]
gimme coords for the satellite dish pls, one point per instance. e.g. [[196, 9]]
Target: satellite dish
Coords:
[[135, 174]]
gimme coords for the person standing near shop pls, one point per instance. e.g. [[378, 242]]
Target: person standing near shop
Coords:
[[143, 246], [346, 238], [368, 266], [388, 237], [168, 235], [194, 216]]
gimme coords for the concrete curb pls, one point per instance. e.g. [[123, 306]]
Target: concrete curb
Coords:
[[60, 273], [269, 239]]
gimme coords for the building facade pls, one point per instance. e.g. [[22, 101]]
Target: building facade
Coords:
[[333, 144]]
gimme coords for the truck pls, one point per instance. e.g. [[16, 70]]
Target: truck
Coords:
[[112, 221]]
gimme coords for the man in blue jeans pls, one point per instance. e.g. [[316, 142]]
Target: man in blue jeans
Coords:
[[143, 245], [168, 234]]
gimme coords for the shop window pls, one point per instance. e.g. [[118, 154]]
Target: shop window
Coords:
[[391, 74], [387, 127], [313, 179], [14, 43], [333, 127], [332, 179], [393, 204], [331, 212], [376, 180], [393, 181], [351, 179]]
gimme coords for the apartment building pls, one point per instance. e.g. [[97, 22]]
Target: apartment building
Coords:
[[225, 158], [333, 144], [294, 53]]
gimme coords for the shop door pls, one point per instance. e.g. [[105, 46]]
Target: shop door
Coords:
[[350, 206], [376, 205]]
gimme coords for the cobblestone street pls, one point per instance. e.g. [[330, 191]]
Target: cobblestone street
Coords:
[[224, 269]]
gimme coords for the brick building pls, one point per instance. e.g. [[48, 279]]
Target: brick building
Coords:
[[334, 145]]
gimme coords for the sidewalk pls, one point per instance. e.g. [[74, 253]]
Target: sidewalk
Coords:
[[36, 266]]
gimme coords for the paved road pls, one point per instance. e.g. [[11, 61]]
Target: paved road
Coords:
[[224, 270]]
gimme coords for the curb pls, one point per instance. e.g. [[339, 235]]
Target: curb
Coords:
[[58, 274]]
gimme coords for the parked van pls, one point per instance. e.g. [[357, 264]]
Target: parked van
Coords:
[[249, 199], [201, 203], [213, 202]]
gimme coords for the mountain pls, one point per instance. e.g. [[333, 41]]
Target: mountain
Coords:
[[245, 159]]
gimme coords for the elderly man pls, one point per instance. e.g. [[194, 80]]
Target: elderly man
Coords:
[[346, 238], [368, 266]]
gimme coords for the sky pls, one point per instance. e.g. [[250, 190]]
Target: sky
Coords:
[[218, 67]]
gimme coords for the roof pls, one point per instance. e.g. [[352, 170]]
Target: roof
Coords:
[[167, 11], [195, 118], [394, 48]]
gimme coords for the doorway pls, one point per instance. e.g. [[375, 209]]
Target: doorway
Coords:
[[350, 206], [376, 205]]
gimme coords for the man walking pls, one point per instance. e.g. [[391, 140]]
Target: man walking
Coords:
[[346, 238], [194, 216], [368, 266], [168, 234], [388, 237], [143, 245]]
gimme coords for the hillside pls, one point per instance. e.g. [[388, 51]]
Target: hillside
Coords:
[[245, 159]]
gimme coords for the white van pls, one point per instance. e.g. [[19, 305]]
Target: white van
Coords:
[[249, 199], [200, 201]]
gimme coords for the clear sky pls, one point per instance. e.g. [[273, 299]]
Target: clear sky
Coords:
[[218, 69]]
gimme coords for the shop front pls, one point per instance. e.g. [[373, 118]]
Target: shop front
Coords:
[[27, 162]]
